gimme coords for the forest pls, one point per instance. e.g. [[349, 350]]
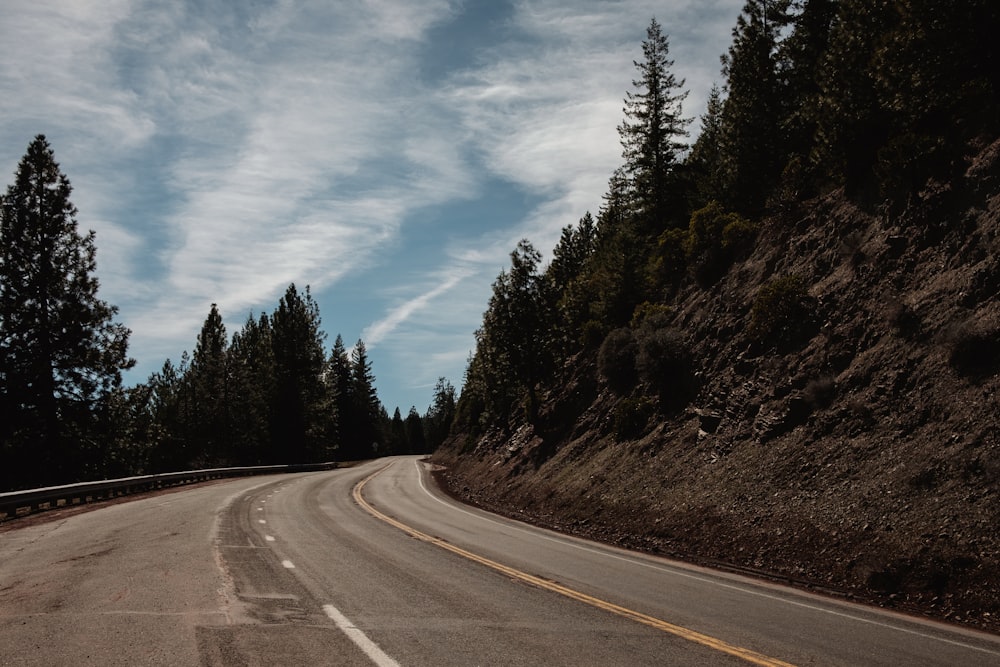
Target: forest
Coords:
[[272, 393], [872, 98], [775, 348]]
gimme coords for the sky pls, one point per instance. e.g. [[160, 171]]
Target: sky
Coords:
[[389, 154]]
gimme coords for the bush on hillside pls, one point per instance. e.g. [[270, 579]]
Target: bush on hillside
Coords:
[[782, 310], [664, 363], [631, 417], [616, 360]]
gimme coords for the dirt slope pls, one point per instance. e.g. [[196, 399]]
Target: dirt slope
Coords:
[[862, 458]]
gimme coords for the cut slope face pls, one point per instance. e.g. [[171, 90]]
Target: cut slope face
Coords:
[[849, 442]]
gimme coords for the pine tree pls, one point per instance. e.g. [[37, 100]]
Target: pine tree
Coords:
[[397, 435], [169, 452], [301, 429], [250, 369], [363, 441], [60, 351], [651, 133], [440, 414], [851, 125], [705, 163], [415, 439], [339, 380], [753, 111], [800, 57], [210, 386]]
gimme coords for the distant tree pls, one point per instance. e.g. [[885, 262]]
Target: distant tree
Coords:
[[61, 353], [414, 425], [397, 434], [301, 429], [440, 414], [251, 372], [168, 400], [363, 441], [651, 132], [339, 381], [208, 375]]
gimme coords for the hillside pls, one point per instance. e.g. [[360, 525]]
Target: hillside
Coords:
[[846, 440]]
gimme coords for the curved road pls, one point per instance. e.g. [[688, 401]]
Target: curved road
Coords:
[[372, 565]]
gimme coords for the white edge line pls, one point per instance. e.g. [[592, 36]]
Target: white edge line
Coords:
[[370, 648], [667, 570]]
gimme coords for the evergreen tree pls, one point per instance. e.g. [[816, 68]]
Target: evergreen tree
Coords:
[[251, 373], [301, 428], [169, 450], [397, 435], [563, 285], [705, 163], [753, 111], [513, 338], [414, 426], [851, 125], [935, 77], [800, 57], [60, 350], [440, 414], [339, 381], [209, 384], [362, 442], [651, 133]]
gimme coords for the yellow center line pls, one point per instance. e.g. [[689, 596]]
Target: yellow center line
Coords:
[[691, 635]]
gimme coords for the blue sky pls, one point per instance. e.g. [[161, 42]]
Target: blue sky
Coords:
[[388, 153]]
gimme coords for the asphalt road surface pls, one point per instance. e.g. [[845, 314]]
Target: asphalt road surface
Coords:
[[372, 565]]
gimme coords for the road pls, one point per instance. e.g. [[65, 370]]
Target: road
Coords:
[[372, 565]]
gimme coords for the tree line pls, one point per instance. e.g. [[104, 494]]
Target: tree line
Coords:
[[270, 394], [871, 97]]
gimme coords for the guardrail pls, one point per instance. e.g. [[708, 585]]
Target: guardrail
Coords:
[[19, 503]]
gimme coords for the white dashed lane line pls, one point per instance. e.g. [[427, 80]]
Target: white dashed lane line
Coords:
[[371, 649]]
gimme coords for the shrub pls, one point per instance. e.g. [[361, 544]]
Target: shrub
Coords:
[[650, 315], [706, 248], [782, 310], [592, 334], [616, 359], [663, 362], [820, 392], [902, 317], [738, 236], [631, 417], [973, 351], [671, 255]]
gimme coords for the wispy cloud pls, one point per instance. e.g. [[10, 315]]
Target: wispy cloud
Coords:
[[224, 150]]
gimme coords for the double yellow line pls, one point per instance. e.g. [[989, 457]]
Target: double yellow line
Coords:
[[696, 637]]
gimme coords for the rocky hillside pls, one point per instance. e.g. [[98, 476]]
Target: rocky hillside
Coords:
[[843, 430]]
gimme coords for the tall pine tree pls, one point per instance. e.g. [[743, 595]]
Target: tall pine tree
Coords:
[[651, 134], [61, 353], [363, 440], [211, 430], [301, 428], [754, 108]]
